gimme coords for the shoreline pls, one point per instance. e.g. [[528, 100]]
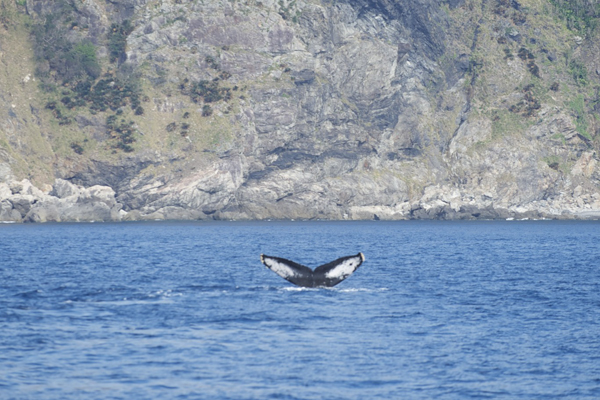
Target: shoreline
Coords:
[[22, 202]]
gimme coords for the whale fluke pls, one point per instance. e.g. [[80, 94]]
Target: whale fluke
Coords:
[[326, 275]]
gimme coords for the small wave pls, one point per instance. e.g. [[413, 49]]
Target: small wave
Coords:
[[30, 294], [208, 288], [132, 301], [299, 289], [107, 298], [332, 289], [164, 293], [371, 290]]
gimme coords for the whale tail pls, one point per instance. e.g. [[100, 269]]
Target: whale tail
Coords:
[[326, 275]]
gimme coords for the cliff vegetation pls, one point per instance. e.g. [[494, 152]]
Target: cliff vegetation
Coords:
[[355, 109]]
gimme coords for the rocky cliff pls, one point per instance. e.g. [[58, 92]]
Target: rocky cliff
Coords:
[[304, 109]]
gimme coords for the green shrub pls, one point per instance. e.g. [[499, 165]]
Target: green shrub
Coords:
[[578, 72], [581, 124], [579, 15], [67, 102], [77, 148], [117, 39], [206, 90], [82, 62], [64, 61], [69, 60], [533, 68], [525, 54], [171, 127], [553, 162], [121, 132], [212, 63], [529, 105], [112, 93]]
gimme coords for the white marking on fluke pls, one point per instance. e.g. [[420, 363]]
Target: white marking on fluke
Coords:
[[343, 269], [280, 268], [326, 275]]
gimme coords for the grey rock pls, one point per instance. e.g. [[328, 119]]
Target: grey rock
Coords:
[[303, 77], [16, 187], [5, 191], [8, 213], [43, 212], [5, 171], [357, 109], [22, 203], [63, 189], [173, 213]]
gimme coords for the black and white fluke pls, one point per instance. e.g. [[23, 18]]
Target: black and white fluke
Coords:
[[327, 275]]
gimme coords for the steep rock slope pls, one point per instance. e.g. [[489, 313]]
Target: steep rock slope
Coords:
[[306, 109]]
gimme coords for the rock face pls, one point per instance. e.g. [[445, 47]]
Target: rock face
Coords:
[[337, 110], [21, 201]]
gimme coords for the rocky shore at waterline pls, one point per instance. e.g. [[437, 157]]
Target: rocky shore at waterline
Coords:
[[21, 201], [350, 110]]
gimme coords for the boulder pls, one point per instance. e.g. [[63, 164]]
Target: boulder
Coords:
[[102, 194], [8, 213], [22, 203], [63, 189], [5, 191], [43, 212], [87, 212]]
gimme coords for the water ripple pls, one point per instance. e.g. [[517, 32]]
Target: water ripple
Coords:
[[186, 310]]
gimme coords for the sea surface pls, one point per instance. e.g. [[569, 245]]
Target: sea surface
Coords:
[[439, 310]]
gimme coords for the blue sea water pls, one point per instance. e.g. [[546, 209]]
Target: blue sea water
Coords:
[[446, 310]]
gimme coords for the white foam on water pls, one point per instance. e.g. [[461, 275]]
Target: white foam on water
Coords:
[[335, 289], [370, 290], [164, 293], [298, 289]]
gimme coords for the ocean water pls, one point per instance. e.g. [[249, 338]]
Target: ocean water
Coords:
[[445, 310]]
